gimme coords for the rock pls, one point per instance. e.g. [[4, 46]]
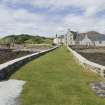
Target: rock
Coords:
[[98, 88]]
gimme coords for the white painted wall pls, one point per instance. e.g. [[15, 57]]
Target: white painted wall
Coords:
[[69, 37], [10, 66], [97, 43], [97, 68], [86, 41], [56, 41]]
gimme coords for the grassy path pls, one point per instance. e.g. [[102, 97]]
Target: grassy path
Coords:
[[55, 79]]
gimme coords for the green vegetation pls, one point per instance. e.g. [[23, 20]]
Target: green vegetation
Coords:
[[56, 79], [25, 39]]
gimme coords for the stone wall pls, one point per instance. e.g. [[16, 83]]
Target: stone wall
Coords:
[[8, 68], [97, 68]]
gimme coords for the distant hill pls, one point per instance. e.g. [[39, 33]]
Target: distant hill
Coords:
[[25, 38], [92, 33]]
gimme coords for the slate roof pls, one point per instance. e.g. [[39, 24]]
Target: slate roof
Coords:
[[75, 34], [93, 37]]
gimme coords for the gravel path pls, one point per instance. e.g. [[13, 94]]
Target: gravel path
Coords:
[[9, 91]]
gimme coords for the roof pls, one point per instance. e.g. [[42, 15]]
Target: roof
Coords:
[[93, 37], [75, 34]]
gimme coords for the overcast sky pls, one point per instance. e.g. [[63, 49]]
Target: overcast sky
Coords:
[[48, 17]]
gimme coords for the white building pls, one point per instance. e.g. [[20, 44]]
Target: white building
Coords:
[[89, 39], [86, 41], [59, 40], [56, 41], [70, 38]]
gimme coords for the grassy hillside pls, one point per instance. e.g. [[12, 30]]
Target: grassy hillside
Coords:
[[25, 38]]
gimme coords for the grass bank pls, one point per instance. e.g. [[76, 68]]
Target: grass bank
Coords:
[[56, 79]]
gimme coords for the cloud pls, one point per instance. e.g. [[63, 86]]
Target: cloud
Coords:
[[84, 23], [53, 20], [23, 21], [19, 21], [89, 6]]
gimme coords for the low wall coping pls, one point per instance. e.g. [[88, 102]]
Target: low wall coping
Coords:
[[84, 60], [6, 64]]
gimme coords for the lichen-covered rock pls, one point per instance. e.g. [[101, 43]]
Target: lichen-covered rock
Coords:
[[98, 88]]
